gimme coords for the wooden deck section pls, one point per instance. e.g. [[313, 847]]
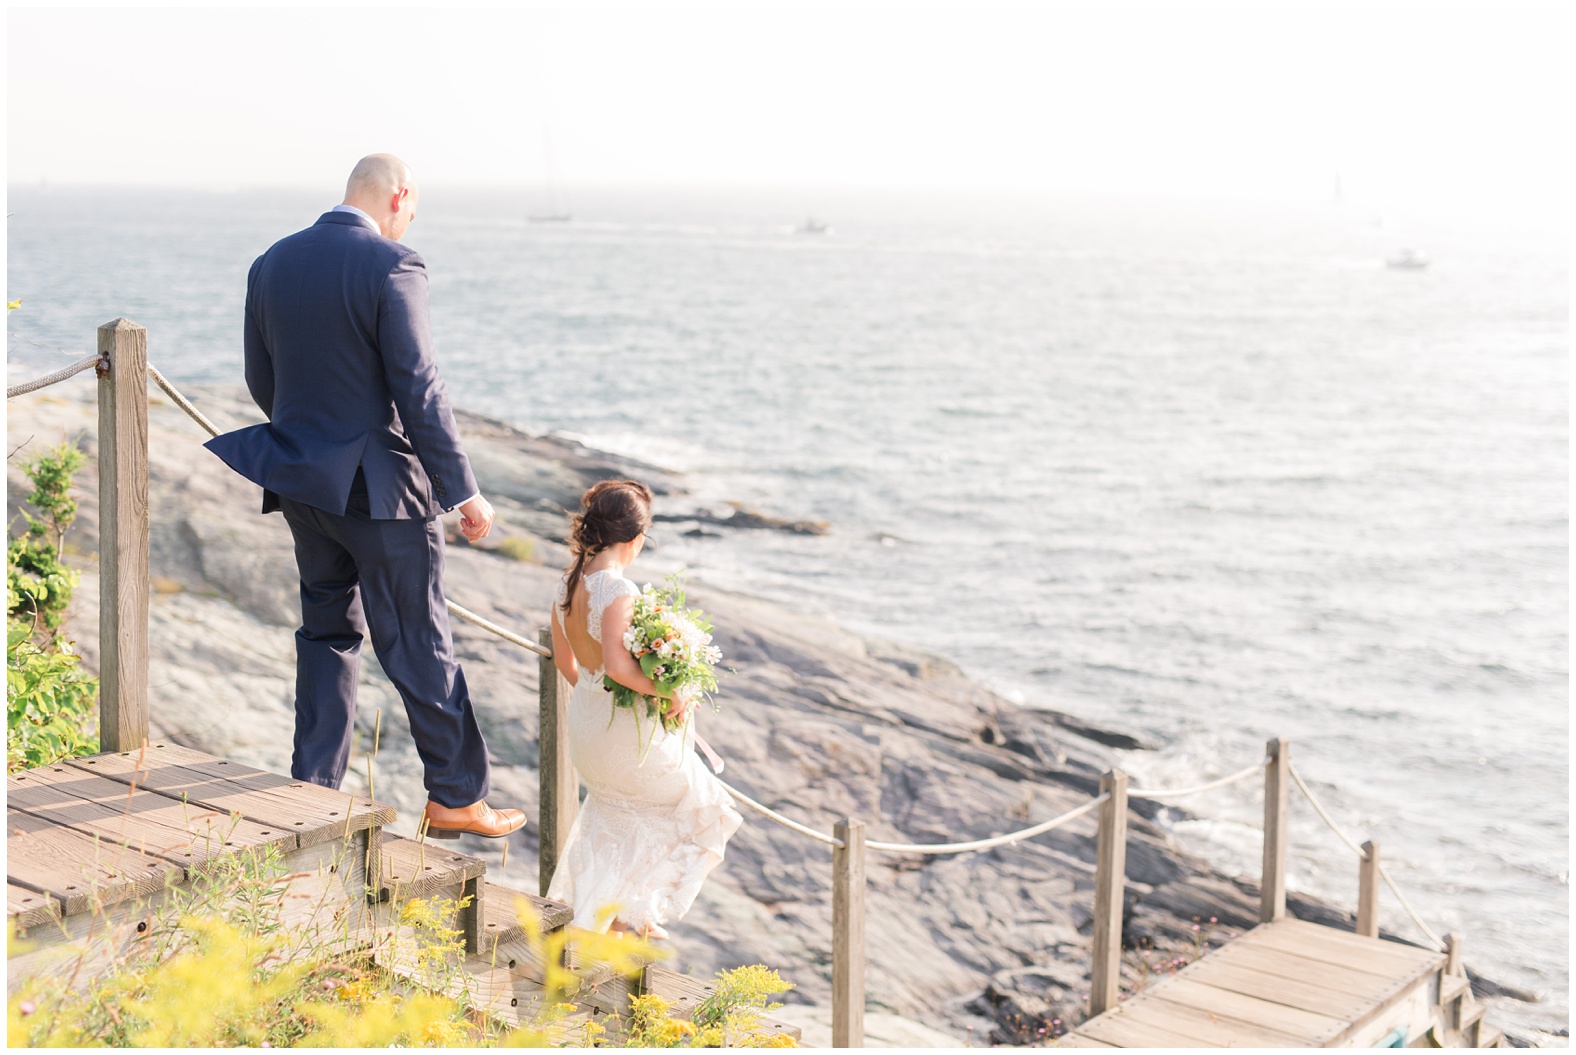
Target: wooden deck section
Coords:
[[102, 854], [1292, 984]]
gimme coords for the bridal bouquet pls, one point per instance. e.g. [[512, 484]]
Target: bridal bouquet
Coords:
[[673, 646]]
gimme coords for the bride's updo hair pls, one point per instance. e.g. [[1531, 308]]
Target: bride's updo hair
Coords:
[[611, 512]]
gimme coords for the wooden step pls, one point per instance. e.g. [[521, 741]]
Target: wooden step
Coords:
[[312, 814], [504, 905], [78, 871], [684, 994], [414, 869], [25, 908], [1472, 1027], [601, 987], [475, 981], [1453, 992]]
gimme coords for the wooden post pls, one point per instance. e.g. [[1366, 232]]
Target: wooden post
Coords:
[[1110, 878], [848, 935], [560, 786], [123, 536], [472, 915], [1368, 892], [1277, 781], [1453, 966]]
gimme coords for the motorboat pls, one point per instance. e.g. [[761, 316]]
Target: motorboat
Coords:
[[1407, 260]]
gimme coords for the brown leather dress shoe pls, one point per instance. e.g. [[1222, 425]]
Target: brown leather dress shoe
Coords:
[[444, 822]]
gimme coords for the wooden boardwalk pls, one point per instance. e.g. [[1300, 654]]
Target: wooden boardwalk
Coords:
[[1295, 984], [104, 853]]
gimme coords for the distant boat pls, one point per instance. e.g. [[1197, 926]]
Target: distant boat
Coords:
[[814, 226], [1407, 260], [549, 217]]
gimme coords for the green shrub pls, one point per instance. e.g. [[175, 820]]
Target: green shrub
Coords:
[[50, 702], [38, 584]]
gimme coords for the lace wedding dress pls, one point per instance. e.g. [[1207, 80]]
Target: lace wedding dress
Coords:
[[649, 831]]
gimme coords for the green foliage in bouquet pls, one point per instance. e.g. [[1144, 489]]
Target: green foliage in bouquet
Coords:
[[673, 646]]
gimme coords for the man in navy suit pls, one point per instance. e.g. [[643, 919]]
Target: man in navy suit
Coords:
[[361, 453]]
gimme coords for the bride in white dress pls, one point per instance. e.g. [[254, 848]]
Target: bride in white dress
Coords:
[[649, 831]]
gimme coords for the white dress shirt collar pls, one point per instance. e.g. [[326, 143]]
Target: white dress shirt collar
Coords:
[[368, 220]]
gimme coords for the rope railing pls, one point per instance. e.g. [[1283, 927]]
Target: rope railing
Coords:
[[55, 378], [999, 840], [1313, 801], [488, 625], [1112, 833], [771, 814], [1384, 874], [1181, 793], [181, 401], [1362, 855]]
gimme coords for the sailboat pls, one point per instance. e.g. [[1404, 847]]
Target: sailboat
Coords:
[[555, 213]]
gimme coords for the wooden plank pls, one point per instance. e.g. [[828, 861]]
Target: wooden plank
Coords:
[[1316, 1028], [501, 994], [27, 908], [1117, 1028], [322, 909], [1341, 979], [1110, 877], [600, 987], [315, 814], [1340, 947], [505, 904], [418, 869], [559, 783], [1078, 1040], [123, 536], [76, 870], [156, 825], [1277, 785], [848, 935], [1291, 992], [685, 994], [1208, 1028]]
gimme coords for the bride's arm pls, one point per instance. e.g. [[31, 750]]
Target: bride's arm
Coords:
[[620, 665], [563, 655]]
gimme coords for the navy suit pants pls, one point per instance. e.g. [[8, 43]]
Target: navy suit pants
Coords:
[[387, 576]]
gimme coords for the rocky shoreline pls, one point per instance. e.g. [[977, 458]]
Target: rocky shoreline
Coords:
[[989, 947]]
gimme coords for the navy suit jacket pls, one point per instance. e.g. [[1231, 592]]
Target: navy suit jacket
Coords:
[[339, 356]]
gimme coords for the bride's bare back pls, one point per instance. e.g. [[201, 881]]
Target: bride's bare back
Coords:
[[602, 605], [587, 649]]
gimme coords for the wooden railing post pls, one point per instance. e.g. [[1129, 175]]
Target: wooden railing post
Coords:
[[560, 786], [848, 935], [1277, 781], [123, 536], [1453, 966], [1110, 878], [1368, 892]]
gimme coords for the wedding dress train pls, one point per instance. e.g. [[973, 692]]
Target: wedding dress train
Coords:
[[649, 831]]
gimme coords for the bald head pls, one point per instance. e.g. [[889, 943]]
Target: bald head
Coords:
[[382, 186]]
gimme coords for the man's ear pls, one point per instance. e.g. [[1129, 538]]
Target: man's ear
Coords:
[[398, 201]]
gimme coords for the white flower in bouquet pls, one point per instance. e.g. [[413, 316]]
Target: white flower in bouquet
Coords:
[[673, 646]]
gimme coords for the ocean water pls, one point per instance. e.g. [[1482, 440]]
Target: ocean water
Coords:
[[1207, 474]]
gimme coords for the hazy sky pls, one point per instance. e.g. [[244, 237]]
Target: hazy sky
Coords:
[[1406, 101]]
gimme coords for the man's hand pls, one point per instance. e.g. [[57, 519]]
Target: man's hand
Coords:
[[476, 518]]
